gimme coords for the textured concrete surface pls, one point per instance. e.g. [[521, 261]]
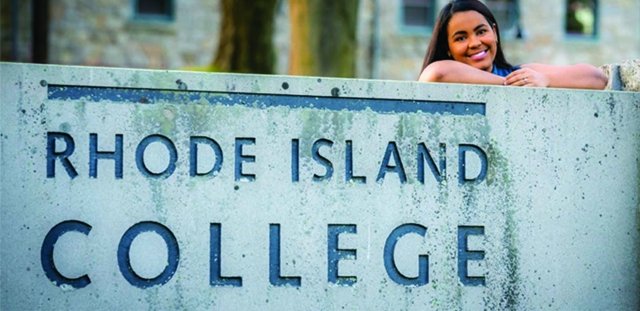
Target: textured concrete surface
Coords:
[[556, 216], [624, 76], [630, 75]]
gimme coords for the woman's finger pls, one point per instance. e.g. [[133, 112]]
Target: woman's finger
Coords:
[[519, 77], [528, 77]]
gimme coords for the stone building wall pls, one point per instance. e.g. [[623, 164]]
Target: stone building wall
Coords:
[[104, 33], [400, 55], [546, 42]]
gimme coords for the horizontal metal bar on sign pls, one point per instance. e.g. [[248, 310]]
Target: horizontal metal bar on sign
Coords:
[[150, 96]]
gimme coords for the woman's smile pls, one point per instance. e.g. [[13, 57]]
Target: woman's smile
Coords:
[[479, 55]]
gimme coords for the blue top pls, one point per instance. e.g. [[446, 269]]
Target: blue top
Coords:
[[502, 71]]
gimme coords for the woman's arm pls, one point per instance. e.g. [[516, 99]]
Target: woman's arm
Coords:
[[457, 72], [580, 76]]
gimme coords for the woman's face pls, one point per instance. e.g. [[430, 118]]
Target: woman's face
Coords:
[[472, 40]]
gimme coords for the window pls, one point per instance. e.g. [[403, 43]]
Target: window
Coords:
[[507, 14], [153, 9], [417, 16], [581, 19]]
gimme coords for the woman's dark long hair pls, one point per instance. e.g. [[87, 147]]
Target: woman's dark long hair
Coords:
[[439, 45]]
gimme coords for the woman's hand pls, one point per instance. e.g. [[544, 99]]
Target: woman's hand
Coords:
[[526, 76], [579, 76]]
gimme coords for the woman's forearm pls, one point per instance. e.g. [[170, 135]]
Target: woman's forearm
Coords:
[[581, 76], [457, 72]]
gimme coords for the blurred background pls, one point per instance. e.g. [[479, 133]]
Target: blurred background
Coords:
[[378, 39]]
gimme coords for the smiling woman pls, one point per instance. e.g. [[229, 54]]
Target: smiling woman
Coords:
[[465, 48]]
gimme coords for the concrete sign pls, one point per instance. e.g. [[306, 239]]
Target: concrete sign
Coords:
[[135, 189]]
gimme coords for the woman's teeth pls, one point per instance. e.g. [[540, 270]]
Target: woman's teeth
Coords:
[[478, 56]]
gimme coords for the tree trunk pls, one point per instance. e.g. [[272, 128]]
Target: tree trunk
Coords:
[[246, 43], [323, 37]]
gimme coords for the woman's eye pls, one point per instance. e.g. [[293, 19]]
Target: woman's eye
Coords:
[[458, 39], [482, 31]]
